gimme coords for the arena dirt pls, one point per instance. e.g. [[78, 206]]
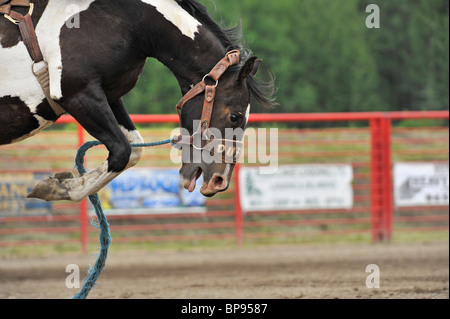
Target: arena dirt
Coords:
[[415, 270]]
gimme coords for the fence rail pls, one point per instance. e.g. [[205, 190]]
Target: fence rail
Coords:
[[371, 148]]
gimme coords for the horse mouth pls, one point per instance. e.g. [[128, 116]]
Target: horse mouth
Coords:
[[192, 183]]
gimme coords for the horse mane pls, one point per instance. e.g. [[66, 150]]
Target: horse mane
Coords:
[[228, 37], [231, 38]]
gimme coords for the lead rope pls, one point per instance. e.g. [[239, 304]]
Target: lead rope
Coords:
[[103, 225]]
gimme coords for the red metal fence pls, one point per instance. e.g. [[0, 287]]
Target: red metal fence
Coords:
[[370, 144]]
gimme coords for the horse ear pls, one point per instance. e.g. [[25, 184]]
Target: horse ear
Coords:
[[248, 68], [256, 67]]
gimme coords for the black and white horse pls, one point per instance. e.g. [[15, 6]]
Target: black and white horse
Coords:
[[93, 65]]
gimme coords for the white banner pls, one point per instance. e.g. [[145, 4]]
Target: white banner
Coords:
[[297, 187], [421, 184]]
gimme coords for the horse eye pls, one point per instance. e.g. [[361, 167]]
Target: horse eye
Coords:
[[235, 119]]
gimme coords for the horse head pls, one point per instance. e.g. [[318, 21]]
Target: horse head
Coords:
[[213, 125]]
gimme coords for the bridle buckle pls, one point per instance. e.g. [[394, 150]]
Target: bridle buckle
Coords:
[[209, 76]]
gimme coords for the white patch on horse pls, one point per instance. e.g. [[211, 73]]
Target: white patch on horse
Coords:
[[18, 80], [227, 170], [134, 137], [247, 115], [16, 77], [48, 32], [174, 13]]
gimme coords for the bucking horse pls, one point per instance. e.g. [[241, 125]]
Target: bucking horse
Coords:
[[81, 57]]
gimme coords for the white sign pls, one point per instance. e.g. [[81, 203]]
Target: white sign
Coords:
[[297, 187], [421, 184]]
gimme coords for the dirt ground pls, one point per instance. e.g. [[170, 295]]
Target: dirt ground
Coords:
[[416, 270]]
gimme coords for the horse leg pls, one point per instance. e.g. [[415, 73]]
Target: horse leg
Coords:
[[93, 112], [129, 130]]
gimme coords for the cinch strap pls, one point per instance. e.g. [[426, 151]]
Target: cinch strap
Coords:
[[26, 27]]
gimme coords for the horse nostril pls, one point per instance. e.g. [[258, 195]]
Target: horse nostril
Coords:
[[218, 181]]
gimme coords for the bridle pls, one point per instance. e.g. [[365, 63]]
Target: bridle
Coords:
[[228, 151]]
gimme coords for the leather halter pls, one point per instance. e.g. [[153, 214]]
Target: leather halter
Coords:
[[228, 151], [230, 59]]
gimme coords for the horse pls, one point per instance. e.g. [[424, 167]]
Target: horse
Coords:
[[96, 51]]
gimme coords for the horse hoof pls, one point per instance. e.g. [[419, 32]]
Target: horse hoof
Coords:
[[52, 188], [64, 176]]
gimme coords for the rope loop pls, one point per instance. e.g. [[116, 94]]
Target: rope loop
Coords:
[[105, 234]]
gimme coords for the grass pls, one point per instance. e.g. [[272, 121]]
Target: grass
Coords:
[[408, 237], [187, 246]]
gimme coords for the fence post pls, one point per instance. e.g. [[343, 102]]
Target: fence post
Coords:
[[381, 179], [84, 218], [387, 179], [239, 221]]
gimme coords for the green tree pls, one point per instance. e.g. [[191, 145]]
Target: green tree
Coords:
[[325, 59], [157, 91], [411, 51]]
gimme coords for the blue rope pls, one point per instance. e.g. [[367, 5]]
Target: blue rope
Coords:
[[105, 235]]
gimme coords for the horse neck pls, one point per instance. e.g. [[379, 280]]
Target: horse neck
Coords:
[[189, 58]]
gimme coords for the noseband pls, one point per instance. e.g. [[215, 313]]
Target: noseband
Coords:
[[228, 151]]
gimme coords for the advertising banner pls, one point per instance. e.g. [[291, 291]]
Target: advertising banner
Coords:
[[146, 191], [421, 184], [14, 189], [297, 187]]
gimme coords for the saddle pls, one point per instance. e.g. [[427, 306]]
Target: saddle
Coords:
[[26, 27]]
